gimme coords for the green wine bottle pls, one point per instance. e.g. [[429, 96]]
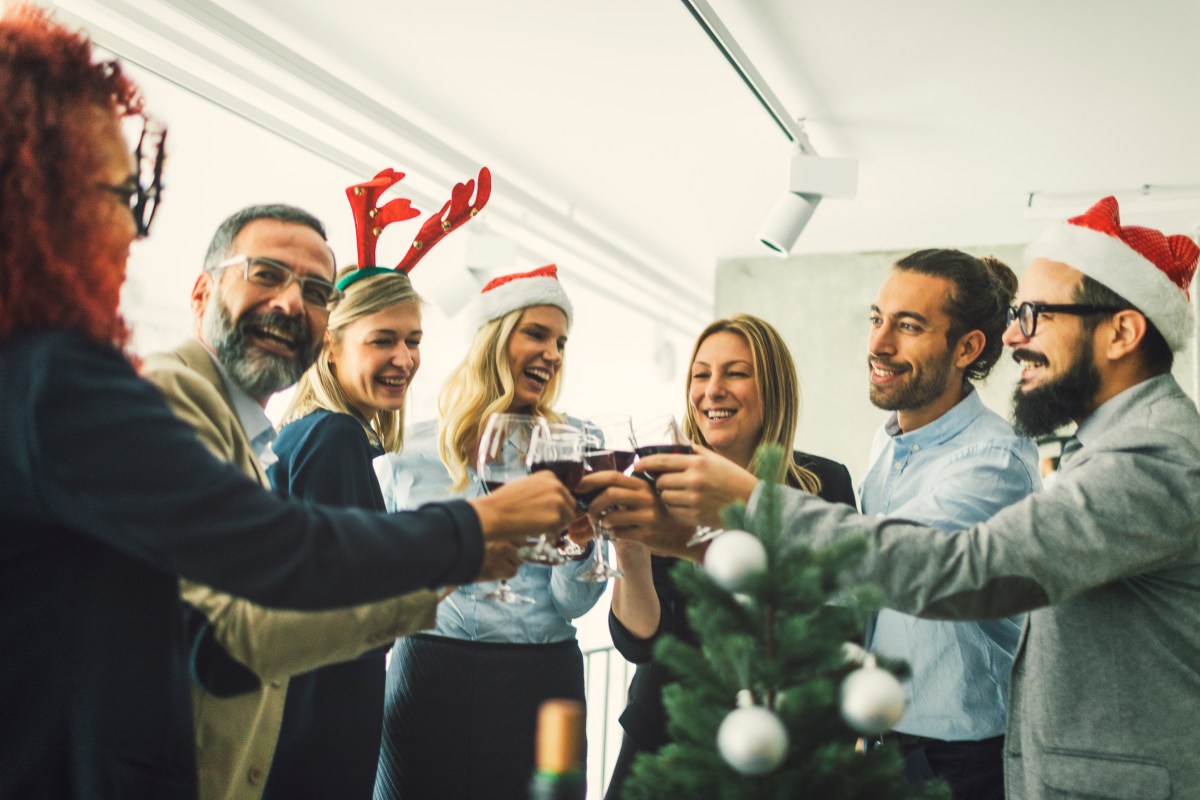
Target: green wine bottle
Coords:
[[559, 774]]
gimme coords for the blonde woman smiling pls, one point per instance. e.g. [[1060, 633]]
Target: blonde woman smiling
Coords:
[[462, 702]]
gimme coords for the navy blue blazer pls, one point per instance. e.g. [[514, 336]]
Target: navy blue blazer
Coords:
[[106, 500], [333, 716]]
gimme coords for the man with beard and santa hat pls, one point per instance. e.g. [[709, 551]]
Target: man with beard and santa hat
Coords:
[[1106, 561]]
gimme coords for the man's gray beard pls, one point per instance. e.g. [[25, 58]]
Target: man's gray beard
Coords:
[[259, 373]]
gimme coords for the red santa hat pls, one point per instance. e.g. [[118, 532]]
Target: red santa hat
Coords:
[[539, 287], [1148, 269]]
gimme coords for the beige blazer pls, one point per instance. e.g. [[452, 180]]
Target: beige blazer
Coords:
[[236, 737]]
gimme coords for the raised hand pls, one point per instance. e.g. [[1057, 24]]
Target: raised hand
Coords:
[[527, 507], [695, 487], [630, 509]]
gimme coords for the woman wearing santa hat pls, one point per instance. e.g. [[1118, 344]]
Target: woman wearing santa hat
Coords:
[[461, 703]]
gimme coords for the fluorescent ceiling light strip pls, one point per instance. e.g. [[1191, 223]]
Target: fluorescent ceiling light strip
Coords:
[[711, 24], [1146, 198]]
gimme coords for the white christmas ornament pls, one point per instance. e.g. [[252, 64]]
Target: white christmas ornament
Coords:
[[872, 699], [734, 558], [751, 739]]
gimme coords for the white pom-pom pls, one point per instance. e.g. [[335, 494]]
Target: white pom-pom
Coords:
[[734, 558], [872, 700], [752, 740]]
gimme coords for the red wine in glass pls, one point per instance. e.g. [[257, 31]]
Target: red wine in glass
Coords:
[[568, 472], [659, 449], [595, 461], [491, 486], [623, 460]]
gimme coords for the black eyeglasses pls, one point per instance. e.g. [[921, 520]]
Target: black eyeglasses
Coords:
[[1027, 313], [142, 192], [276, 276]]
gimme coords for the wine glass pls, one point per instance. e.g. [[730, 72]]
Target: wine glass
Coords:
[[559, 449], [658, 436], [503, 457], [609, 445], [663, 435]]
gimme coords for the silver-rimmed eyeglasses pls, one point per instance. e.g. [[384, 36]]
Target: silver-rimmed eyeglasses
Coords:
[[275, 276]]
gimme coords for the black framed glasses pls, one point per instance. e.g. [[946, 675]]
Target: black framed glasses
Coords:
[[276, 276], [143, 190], [1027, 313]]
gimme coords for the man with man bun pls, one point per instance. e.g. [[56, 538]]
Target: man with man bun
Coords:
[[944, 459]]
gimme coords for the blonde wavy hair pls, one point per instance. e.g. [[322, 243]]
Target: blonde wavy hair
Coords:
[[778, 392], [482, 385], [319, 388]]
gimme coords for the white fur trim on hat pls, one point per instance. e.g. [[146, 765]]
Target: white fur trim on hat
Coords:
[[520, 293], [1127, 272]]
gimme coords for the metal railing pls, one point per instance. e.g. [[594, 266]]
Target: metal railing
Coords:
[[606, 677]]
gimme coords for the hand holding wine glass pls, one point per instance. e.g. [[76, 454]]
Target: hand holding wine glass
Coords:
[[610, 447], [503, 460], [659, 436], [663, 437], [629, 508], [517, 510], [695, 488], [558, 449]]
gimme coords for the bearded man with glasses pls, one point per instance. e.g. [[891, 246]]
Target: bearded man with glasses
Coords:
[[261, 305]]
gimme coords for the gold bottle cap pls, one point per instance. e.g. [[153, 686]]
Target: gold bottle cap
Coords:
[[560, 736]]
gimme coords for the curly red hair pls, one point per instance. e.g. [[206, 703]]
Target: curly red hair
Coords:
[[54, 272]]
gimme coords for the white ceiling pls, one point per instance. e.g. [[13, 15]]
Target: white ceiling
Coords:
[[625, 115]]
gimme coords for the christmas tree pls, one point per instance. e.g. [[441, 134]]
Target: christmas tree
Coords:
[[761, 707]]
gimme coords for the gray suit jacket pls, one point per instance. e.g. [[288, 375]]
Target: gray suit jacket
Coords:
[[1106, 683]]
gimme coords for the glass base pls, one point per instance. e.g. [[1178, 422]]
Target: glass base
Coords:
[[504, 594], [704, 534], [542, 553], [598, 573]]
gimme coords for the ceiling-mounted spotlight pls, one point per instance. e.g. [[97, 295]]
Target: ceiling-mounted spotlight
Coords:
[[787, 219], [811, 178]]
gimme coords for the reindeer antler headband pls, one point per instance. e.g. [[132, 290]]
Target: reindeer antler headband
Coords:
[[370, 219]]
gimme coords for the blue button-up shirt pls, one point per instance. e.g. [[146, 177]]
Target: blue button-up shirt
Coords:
[[956, 471], [250, 413], [417, 476]]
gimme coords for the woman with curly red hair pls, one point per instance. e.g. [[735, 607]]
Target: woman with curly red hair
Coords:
[[108, 499], [61, 263]]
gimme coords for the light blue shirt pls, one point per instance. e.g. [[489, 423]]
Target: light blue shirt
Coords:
[[954, 472], [417, 476], [250, 413]]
